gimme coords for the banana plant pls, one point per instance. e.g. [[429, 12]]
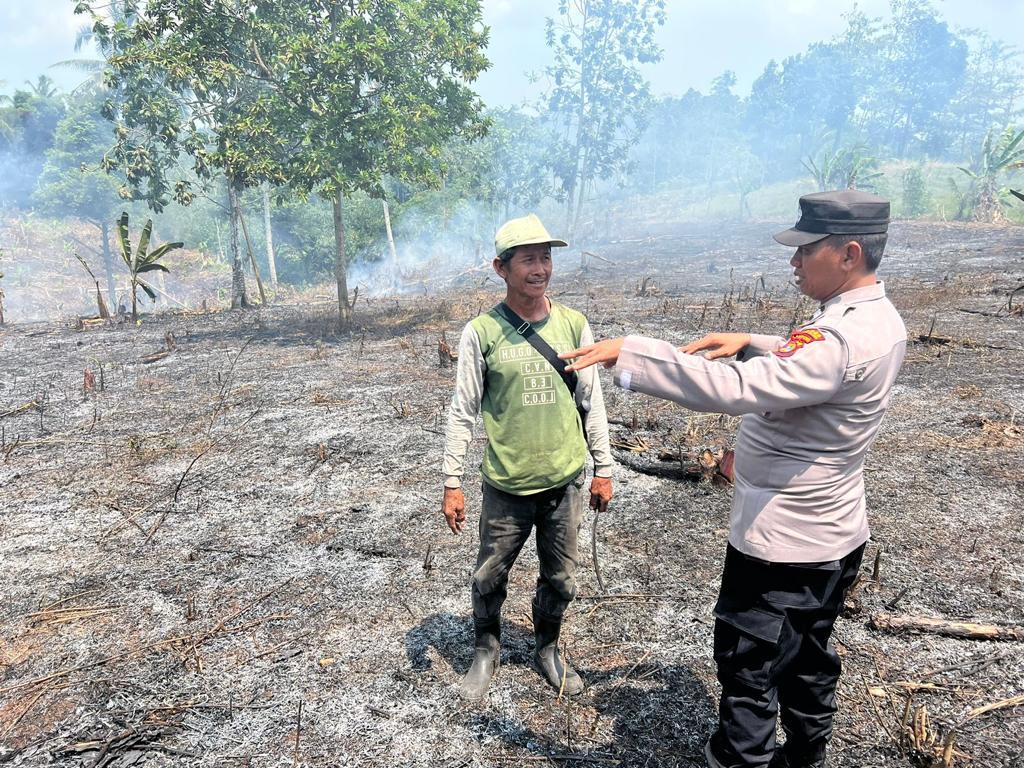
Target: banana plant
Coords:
[[850, 167], [142, 260], [1001, 152]]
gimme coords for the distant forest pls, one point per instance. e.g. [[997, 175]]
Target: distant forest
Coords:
[[309, 121]]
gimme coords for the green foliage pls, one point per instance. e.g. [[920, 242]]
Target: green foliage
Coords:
[[909, 87], [844, 168], [290, 92], [916, 200], [716, 146], [142, 259], [811, 94], [598, 98], [377, 91], [28, 120], [921, 70], [304, 235], [1001, 151], [485, 181], [989, 94], [72, 182], [317, 96]]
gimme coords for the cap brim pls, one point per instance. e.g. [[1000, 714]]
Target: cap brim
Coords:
[[794, 237], [537, 241], [550, 241]]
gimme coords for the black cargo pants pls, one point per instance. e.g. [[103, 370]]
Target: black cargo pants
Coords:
[[773, 622], [506, 522]]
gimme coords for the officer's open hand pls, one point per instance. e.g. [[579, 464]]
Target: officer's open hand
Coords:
[[600, 493], [718, 345], [606, 352], [454, 509]]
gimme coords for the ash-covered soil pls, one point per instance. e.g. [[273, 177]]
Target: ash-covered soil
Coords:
[[231, 554]]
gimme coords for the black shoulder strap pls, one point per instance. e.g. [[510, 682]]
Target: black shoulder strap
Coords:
[[524, 329]]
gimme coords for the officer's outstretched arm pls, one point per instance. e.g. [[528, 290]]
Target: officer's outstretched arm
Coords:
[[806, 371], [716, 345]]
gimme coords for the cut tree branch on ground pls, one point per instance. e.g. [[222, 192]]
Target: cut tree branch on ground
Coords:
[[886, 622]]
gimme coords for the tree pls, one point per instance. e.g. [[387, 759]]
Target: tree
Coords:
[[916, 199], [142, 260], [989, 94], [924, 63], [325, 96], [817, 93], [363, 90], [93, 68], [598, 98], [43, 87], [27, 124], [485, 179], [183, 82], [72, 182]]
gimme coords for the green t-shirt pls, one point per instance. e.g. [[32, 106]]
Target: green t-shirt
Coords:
[[535, 439]]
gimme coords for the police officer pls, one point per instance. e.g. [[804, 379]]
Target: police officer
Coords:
[[811, 407]]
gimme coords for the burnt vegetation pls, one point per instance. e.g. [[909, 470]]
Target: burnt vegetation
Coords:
[[222, 545], [220, 537]]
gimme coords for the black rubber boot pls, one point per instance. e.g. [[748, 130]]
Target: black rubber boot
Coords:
[[548, 660], [486, 660], [781, 759]]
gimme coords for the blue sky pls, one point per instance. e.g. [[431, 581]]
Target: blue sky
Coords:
[[701, 38]]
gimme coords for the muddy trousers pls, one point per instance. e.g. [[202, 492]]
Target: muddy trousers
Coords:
[[773, 622], [506, 521]]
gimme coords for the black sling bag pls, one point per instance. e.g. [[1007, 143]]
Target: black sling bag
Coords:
[[525, 329]]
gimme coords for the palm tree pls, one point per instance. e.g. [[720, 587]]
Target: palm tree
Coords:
[[93, 68], [43, 87]]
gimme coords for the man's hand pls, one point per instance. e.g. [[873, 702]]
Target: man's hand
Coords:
[[600, 493], [606, 352], [454, 509], [718, 345]]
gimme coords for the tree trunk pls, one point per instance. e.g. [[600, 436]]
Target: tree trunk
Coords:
[[391, 238], [238, 297], [570, 207], [577, 179], [269, 231], [161, 289], [340, 263], [108, 264], [252, 256]]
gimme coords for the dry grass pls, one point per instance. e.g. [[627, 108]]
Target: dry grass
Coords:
[[249, 525]]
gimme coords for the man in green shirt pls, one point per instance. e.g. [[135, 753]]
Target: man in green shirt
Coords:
[[538, 434]]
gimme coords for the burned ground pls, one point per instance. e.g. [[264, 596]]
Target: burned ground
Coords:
[[222, 545]]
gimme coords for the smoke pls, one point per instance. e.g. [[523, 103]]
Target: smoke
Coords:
[[432, 249], [18, 174]]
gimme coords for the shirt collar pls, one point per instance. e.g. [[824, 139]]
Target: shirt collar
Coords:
[[857, 295]]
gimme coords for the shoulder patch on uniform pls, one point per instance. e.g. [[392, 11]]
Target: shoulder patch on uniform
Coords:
[[798, 340]]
